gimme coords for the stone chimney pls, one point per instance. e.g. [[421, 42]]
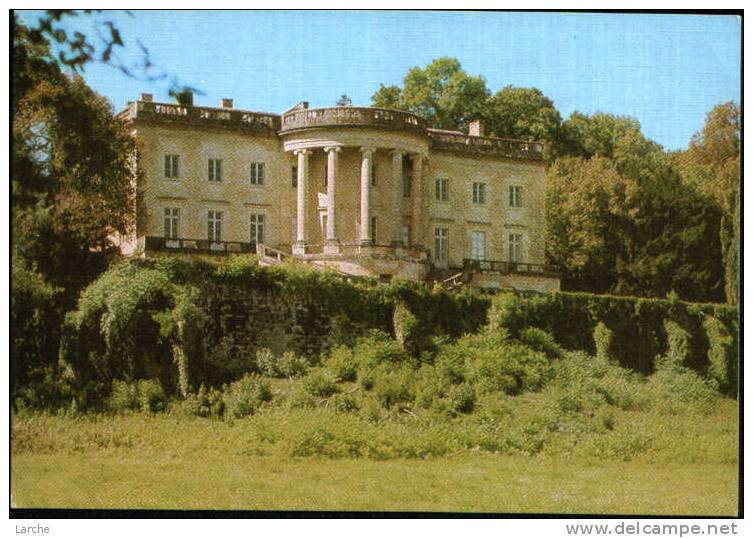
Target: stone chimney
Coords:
[[226, 103], [300, 106], [145, 97], [476, 128], [185, 98]]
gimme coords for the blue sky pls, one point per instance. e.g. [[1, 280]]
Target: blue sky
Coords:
[[665, 70]]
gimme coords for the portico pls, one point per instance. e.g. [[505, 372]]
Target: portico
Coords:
[[349, 185], [361, 211]]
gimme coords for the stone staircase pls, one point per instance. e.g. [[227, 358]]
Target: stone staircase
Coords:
[[270, 256]]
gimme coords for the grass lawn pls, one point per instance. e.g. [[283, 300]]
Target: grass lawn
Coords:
[[155, 462], [476, 483]]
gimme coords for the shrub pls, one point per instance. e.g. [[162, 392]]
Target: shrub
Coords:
[[494, 364], [124, 396], [722, 356], [292, 365], [408, 330], [151, 396], [541, 340], [115, 333], [600, 381], [318, 383], [462, 398], [45, 392], [603, 342], [430, 386], [344, 403], [266, 362], [394, 386], [36, 316], [673, 386], [677, 343], [245, 396], [205, 403], [378, 348], [636, 323], [370, 410], [341, 363]]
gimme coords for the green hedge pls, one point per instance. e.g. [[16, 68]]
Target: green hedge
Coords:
[[189, 321], [638, 328]]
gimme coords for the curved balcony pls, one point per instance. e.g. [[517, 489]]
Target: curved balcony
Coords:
[[353, 117]]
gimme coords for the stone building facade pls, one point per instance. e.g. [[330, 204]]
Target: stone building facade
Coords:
[[366, 191]]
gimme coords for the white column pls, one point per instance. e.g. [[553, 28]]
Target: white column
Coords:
[[397, 175], [366, 156], [331, 244], [418, 216], [301, 235]]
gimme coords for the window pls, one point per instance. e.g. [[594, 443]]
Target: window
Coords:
[[171, 222], [374, 230], [257, 173], [215, 170], [171, 166], [441, 190], [407, 184], [295, 177], [257, 228], [516, 196], [441, 244], [479, 193], [478, 243], [516, 248], [405, 235], [214, 226]]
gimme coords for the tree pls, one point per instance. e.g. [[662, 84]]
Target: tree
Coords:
[[344, 101], [442, 93], [712, 164], [71, 174], [523, 113], [35, 317], [629, 225], [387, 97], [584, 222], [585, 136], [719, 140], [72, 178], [673, 246], [72, 184]]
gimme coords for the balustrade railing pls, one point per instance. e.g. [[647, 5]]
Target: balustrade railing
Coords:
[[334, 117], [144, 110], [511, 267], [507, 147], [263, 251], [352, 116], [198, 245]]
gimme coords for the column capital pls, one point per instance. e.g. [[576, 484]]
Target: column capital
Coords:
[[397, 153], [304, 151], [367, 150], [336, 149]]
